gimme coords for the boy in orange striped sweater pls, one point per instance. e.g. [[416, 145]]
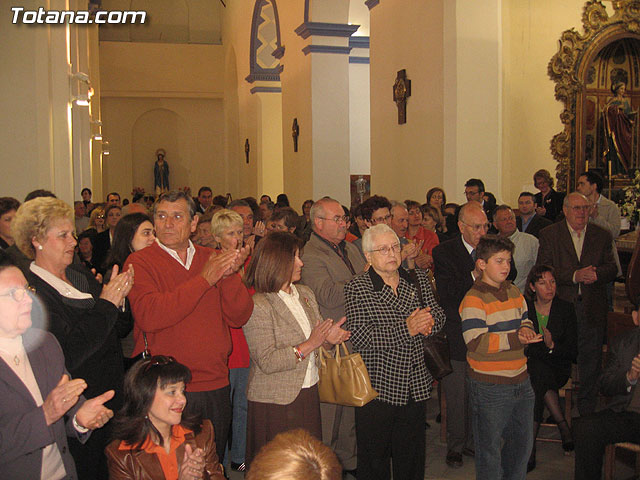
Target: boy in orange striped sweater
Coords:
[[495, 328]]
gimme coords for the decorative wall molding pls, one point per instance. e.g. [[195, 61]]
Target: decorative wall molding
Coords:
[[266, 90], [326, 29], [258, 44], [568, 69], [279, 52], [361, 60], [326, 49], [371, 3], [359, 42]]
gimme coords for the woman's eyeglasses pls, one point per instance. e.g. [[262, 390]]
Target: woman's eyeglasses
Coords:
[[18, 293], [386, 250], [159, 360]]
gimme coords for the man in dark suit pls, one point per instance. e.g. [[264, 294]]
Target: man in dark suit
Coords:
[[582, 256], [528, 221], [621, 421]]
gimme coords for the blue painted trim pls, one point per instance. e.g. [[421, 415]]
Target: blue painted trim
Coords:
[[279, 52], [371, 3], [326, 29], [266, 90], [362, 60], [255, 72], [359, 42], [326, 49], [264, 77]]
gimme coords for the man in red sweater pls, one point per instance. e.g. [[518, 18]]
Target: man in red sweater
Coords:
[[185, 299]]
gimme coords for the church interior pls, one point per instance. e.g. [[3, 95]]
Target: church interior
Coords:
[[496, 91]]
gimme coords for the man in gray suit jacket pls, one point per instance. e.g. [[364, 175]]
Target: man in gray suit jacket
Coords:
[[329, 263], [582, 255]]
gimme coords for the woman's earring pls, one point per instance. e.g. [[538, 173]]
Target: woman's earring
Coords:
[[39, 247]]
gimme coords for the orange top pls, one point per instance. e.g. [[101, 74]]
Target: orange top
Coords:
[[168, 461], [350, 237]]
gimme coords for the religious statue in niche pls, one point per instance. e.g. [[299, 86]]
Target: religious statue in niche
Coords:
[[619, 120], [161, 172]]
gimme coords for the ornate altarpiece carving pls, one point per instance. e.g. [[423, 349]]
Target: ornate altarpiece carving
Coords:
[[583, 72]]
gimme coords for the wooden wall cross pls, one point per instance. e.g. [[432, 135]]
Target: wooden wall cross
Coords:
[[295, 132], [401, 91]]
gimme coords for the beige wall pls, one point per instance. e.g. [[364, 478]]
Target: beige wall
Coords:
[[407, 158], [45, 140], [296, 103], [531, 30], [173, 100]]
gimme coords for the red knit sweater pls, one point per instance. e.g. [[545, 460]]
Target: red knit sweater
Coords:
[[183, 316]]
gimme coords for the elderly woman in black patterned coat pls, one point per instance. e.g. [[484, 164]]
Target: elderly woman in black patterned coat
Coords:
[[388, 322]]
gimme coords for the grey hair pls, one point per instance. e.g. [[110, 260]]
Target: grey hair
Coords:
[[565, 202], [469, 206], [395, 203], [238, 203], [372, 232], [317, 209], [172, 197]]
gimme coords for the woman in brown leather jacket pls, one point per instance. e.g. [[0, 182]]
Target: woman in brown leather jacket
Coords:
[[153, 439]]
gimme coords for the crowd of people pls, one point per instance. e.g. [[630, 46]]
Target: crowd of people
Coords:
[[197, 322]]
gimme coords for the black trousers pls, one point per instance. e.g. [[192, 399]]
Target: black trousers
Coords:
[[386, 432], [214, 405], [590, 339], [592, 433]]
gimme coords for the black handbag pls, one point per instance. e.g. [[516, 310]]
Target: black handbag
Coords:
[[145, 355], [436, 346]]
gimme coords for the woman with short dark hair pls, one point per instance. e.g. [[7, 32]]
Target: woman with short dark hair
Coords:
[[283, 333], [153, 436]]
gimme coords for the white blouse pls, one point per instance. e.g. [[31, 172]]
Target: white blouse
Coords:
[[292, 301]]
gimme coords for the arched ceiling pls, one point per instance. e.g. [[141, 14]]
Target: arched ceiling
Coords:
[[168, 21]]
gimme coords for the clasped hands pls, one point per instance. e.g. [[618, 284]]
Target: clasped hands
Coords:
[[92, 414], [420, 321], [119, 287], [222, 265], [192, 467], [586, 275], [326, 332], [634, 372]]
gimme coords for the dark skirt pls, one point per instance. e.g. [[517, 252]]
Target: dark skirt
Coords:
[[266, 420], [544, 377]]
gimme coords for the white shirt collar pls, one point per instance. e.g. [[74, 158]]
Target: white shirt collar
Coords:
[[63, 288], [575, 232], [191, 251], [294, 295], [467, 245]]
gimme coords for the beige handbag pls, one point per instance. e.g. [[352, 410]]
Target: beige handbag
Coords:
[[344, 380]]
